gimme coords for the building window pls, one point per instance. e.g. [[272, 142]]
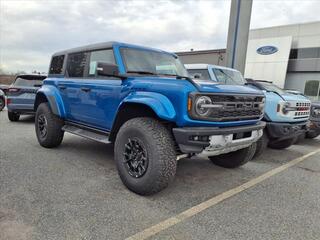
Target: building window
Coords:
[[312, 89], [76, 64], [302, 53], [293, 54], [56, 65]]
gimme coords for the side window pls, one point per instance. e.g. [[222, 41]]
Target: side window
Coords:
[[105, 56], [56, 65], [76, 64]]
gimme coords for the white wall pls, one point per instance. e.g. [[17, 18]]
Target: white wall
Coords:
[[271, 67], [304, 35], [297, 81]]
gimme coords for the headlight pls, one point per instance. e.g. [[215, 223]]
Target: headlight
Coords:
[[286, 108], [262, 105], [200, 106]]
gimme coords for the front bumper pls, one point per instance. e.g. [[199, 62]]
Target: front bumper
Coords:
[[211, 141], [282, 131]]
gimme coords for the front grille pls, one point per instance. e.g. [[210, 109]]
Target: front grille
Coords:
[[302, 110], [236, 107]]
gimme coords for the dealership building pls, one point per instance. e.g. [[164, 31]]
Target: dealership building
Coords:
[[289, 56]]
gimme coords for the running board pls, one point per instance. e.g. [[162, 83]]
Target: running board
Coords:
[[102, 137]]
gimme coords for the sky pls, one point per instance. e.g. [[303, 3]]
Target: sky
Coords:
[[32, 30]]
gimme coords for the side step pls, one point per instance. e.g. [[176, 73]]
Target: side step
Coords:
[[98, 136]]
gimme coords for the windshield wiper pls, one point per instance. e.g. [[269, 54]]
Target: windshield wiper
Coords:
[[142, 72], [177, 76]]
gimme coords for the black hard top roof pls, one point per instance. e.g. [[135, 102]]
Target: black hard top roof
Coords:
[[105, 45], [86, 48]]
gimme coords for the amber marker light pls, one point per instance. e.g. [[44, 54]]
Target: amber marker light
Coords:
[[189, 104]]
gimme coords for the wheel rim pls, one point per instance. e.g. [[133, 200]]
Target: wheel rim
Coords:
[[42, 125], [135, 158]]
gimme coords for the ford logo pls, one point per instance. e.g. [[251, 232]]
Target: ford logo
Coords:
[[267, 50]]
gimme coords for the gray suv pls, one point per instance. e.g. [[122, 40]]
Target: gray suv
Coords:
[[21, 95]]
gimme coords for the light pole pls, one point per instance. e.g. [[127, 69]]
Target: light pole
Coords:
[[238, 33]]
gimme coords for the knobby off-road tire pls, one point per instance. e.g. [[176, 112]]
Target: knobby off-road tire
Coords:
[[13, 117], [299, 138], [48, 127], [262, 144], [234, 159], [145, 155], [2, 103], [312, 134], [282, 144]]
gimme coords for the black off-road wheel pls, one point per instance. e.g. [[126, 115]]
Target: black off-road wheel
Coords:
[[48, 127], [145, 155], [262, 144], [299, 138], [282, 144], [234, 159], [13, 116], [312, 134], [2, 103]]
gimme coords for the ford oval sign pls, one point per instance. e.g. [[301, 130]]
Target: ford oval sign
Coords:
[[267, 50]]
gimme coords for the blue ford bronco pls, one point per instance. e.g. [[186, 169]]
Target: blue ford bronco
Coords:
[[143, 101], [286, 114]]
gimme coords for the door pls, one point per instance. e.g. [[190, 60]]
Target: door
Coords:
[[100, 96]]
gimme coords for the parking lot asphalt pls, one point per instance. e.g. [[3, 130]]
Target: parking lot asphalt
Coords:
[[74, 192]]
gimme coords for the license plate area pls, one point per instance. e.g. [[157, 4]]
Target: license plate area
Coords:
[[237, 136]]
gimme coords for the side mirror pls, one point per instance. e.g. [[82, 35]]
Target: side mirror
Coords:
[[107, 69], [197, 76]]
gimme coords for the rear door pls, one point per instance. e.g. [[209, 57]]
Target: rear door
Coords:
[[70, 86]]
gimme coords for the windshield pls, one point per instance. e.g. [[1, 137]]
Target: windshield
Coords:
[[272, 88], [229, 76], [22, 82], [202, 74], [152, 62]]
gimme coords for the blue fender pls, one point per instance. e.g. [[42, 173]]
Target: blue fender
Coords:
[[159, 103], [54, 99]]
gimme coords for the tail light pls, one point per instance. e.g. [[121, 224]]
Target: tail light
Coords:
[[8, 101]]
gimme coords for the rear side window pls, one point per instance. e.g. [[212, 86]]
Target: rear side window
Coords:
[[76, 64], [105, 56], [27, 82], [56, 65]]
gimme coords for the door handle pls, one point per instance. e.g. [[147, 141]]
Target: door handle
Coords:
[[85, 89], [62, 87]]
